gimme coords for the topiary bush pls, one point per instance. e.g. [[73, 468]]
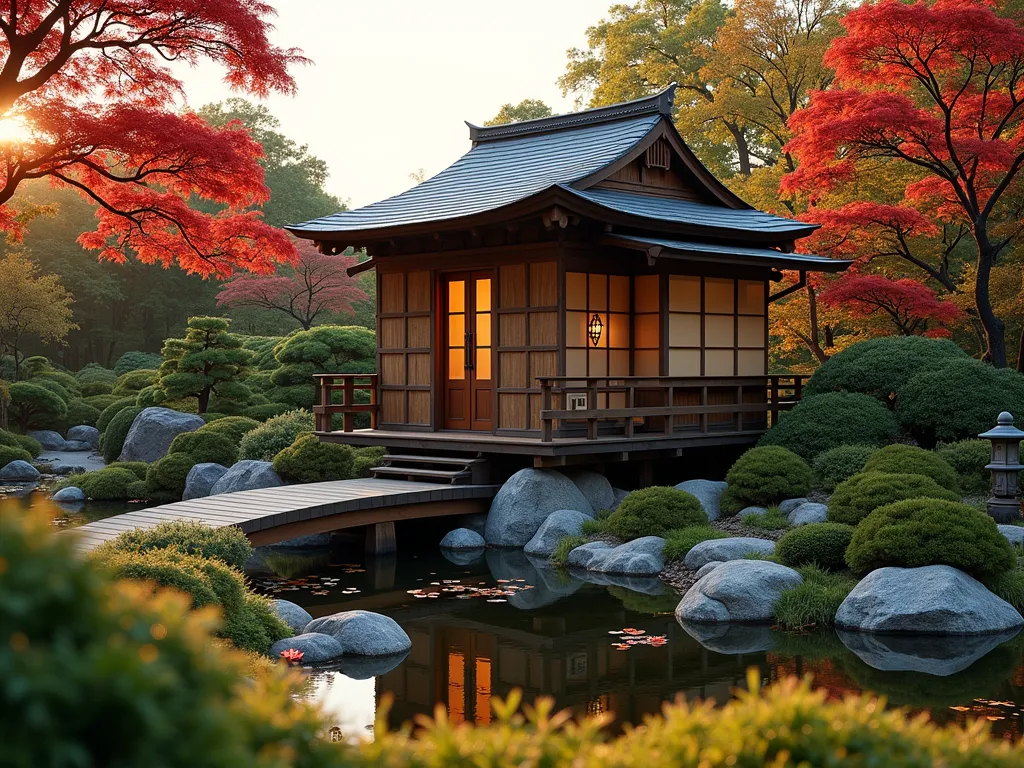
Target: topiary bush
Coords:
[[80, 412], [910, 460], [823, 544], [878, 367], [654, 511], [837, 464], [113, 437], [764, 476], [9, 453], [166, 477], [826, 421], [266, 411], [918, 532], [232, 427], [226, 543], [133, 382], [134, 361], [856, 498], [35, 406], [65, 381], [138, 491], [959, 401], [205, 447], [308, 460], [138, 468], [111, 410], [108, 484], [101, 402], [26, 443], [969, 459], [366, 459], [274, 435], [680, 541]]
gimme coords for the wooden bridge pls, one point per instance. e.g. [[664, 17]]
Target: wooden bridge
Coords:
[[272, 515]]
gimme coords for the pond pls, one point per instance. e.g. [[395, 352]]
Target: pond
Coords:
[[483, 627]]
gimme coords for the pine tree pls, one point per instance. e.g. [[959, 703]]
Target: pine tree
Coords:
[[209, 360]]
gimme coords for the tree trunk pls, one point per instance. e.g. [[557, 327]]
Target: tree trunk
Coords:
[[815, 336], [742, 148], [995, 329], [204, 399]]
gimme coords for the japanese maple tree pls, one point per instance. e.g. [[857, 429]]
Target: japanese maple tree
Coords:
[[89, 100], [907, 304], [939, 88], [304, 291]]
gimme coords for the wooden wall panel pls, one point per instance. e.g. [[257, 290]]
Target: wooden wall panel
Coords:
[[419, 407], [513, 369], [418, 292], [512, 330], [542, 364], [392, 407], [404, 327], [512, 286], [543, 329], [419, 332], [392, 370], [392, 333], [512, 411], [419, 370], [544, 284], [392, 292]]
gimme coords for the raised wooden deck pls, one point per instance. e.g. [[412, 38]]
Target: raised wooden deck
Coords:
[[271, 515]]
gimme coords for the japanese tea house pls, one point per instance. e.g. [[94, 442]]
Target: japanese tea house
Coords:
[[574, 289]]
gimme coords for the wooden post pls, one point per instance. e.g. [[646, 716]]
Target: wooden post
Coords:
[[373, 400], [646, 477], [774, 400], [380, 539], [592, 404], [545, 405], [738, 415], [323, 420], [348, 418]]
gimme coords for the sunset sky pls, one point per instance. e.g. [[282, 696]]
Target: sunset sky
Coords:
[[393, 80]]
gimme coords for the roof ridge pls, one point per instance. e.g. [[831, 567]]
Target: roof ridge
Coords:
[[658, 103]]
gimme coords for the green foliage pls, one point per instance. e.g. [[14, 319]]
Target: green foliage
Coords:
[[764, 476], [95, 380], [55, 388], [108, 484], [323, 349], [837, 464], [166, 477], [565, 545], [856, 498], [9, 453], [643, 603], [772, 519], [138, 491], [266, 411], [205, 447], [100, 402], [35, 406], [1010, 587], [136, 361], [262, 348], [828, 420], [111, 410], [919, 532], [814, 603], [878, 367], [80, 412], [958, 401], [227, 544], [654, 511], [308, 460], [681, 540], [207, 361], [113, 437], [133, 382], [910, 460], [823, 544], [366, 459], [234, 428], [26, 443], [274, 435], [138, 468], [65, 381], [968, 459]]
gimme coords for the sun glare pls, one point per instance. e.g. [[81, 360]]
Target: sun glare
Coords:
[[14, 130]]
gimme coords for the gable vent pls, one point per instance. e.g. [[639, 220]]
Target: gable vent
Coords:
[[658, 155]]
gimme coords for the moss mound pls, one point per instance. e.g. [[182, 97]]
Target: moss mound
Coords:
[[856, 498], [764, 476], [821, 544], [910, 460], [655, 511]]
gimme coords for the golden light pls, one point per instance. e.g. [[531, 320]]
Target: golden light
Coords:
[[594, 328], [14, 130]]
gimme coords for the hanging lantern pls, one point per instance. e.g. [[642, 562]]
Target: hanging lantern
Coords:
[[594, 328], [1005, 466]]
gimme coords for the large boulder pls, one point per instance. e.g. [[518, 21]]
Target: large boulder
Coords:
[[362, 633], [585, 555], [524, 503], [619, 495], [752, 511], [316, 648], [738, 590], [69, 495], [201, 479], [939, 655], [705, 569], [19, 471], [789, 505], [932, 600], [86, 434], [708, 493], [77, 446], [559, 524], [640, 557], [1013, 533], [247, 475], [295, 616], [153, 431], [808, 512], [48, 439], [723, 550], [462, 539], [595, 488]]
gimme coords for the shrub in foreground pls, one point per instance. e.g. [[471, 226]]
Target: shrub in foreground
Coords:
[[274, 435], [111, 410], [764, 476], [308, 460], [227, 544], [26, 443], [9, 453], [918, 532], [366, 459], [823, 544], [166, 477], [814, 603], [206, 447], [682, 540], [113, 437], [856, 498], [910, 460], [109, 484], [838, 464], [968, 459], [232, 427], [138, 468], [654, 511], [80, 412], [825, 421]]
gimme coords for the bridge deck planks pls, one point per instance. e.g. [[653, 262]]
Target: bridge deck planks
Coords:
[[268, 508]]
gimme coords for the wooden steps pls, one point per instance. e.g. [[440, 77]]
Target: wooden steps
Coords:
[[448, 470]]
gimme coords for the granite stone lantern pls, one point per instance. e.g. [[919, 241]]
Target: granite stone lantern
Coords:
[[1005, 466]]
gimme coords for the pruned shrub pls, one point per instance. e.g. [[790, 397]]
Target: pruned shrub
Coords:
[[680, 541], [80, 412], [100, 403], [959, 401], [814, 603], [113, 437], [133, 382], [58, 382], [134, 361], [828, 420], [969, 459], [918, 532], [34, 406], [856, 498], [308, 460], [166, 477], [878, 367], [205, 447], [111, 410], [108, 484], [274, 435], [25, 442], [837, 464], [366, 459], [227, 543], [654, 511], [139, 468], [9, 453], [764, 476], [232, 427], [138, 491], [266, 411], [823, 544], [910, 460]]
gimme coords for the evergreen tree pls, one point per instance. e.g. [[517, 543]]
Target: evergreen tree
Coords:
[[208, 360]]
